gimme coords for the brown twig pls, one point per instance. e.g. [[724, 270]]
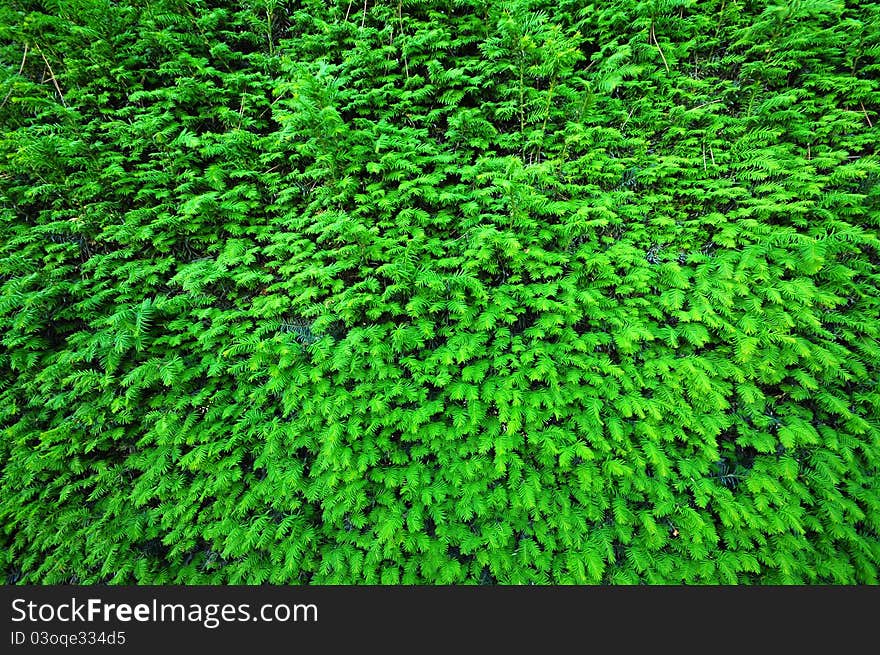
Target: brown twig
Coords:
[[20, 69], [662, 56], [867, 118], [52, 73], [23, 59]]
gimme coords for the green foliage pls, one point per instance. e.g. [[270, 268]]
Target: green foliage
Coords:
[[439, 292]]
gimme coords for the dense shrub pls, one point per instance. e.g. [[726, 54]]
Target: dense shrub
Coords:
[[439, 291]]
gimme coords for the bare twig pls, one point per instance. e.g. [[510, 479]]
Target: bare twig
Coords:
[[364, 17], [20, 69], [270, 15], [23, 59], [402, 46], [717, 29], [662, 56], [867, 118], [705, 104], [52, 73], [546, 115]]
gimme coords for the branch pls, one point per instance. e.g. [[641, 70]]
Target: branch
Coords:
[[654, 36], [52, 73], [24, 59], [20, 69], [705, 104]]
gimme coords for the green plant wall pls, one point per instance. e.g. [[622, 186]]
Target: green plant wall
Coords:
[[439, 292]]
